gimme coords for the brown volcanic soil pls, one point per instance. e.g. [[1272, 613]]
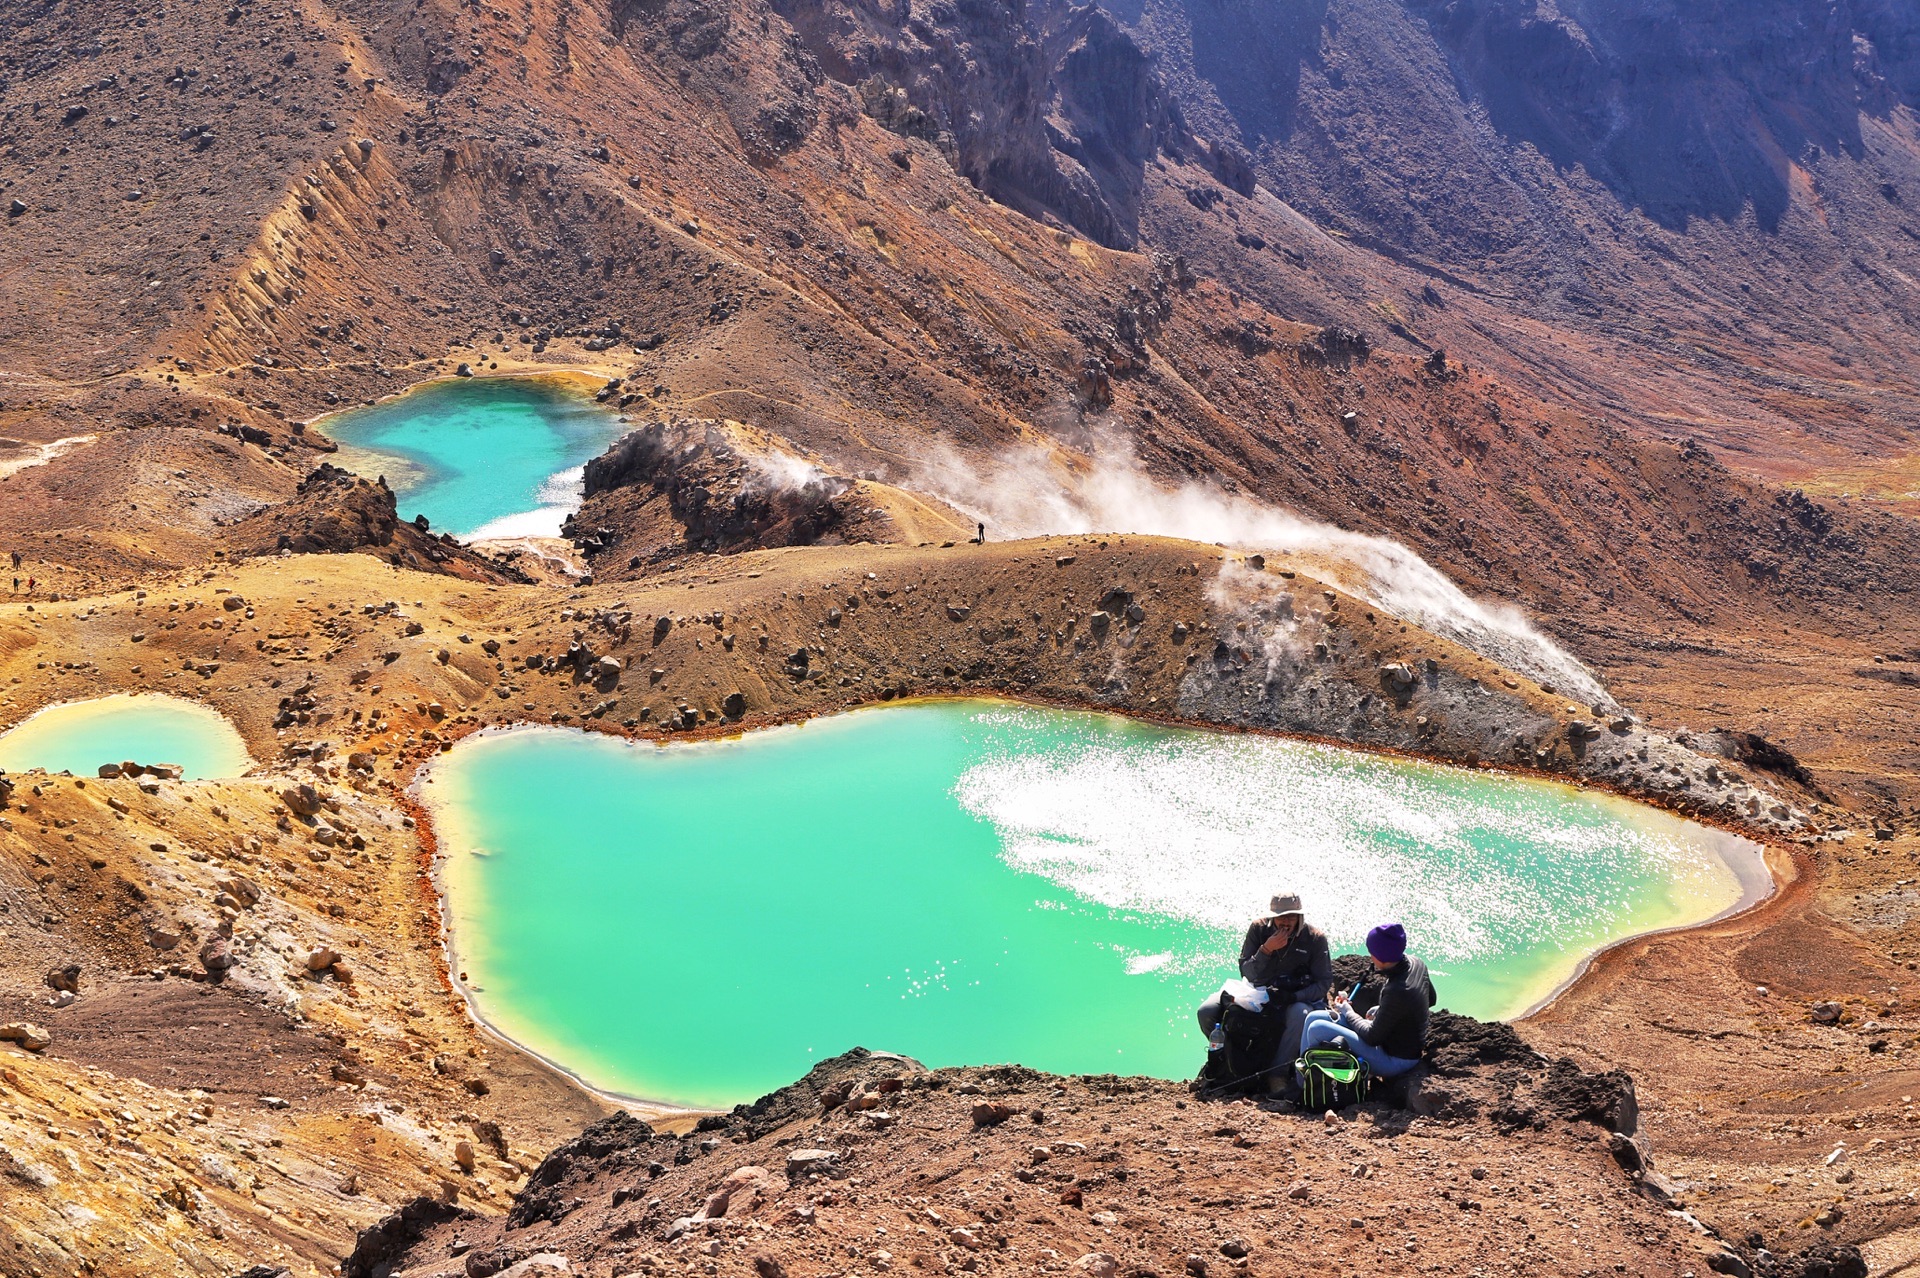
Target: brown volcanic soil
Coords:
[[1720, 1119], [872, 1164], [953, 249], [791, 259]]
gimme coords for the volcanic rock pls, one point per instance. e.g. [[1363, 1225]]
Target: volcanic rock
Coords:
[[717, 487], [28, 1035], [804, 1161], [991, 1113], [216, 955]]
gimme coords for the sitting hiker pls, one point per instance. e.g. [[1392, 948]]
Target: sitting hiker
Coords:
[[1289, 957], [1392, 1039]]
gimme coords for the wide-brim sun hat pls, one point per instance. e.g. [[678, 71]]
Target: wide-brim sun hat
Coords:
[[1285, 903]]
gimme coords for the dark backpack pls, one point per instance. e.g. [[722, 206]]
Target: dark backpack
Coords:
[[1252, 1038], [1332, 1078]]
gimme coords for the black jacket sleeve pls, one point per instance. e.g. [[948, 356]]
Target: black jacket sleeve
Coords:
[[1257, 936], [1391, 1018]]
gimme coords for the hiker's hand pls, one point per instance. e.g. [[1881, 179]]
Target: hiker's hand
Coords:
[[1339, 1000], [1273, 944]]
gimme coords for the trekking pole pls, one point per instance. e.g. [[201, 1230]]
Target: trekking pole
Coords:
[[1235, 1082]]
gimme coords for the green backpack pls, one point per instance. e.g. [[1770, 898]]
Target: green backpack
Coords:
[[1332, 1078]]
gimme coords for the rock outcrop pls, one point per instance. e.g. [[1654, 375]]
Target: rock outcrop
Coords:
[[335, 511], [700, 486], [1051, 109], [1300, 660], [1004, 1169]]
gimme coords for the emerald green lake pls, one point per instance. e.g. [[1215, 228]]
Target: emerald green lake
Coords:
[[479, 457], [975, 882], [81, 735]]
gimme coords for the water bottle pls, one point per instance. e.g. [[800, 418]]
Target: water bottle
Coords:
[[1217, 1039]]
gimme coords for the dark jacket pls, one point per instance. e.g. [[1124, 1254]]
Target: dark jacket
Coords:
[[1299, 973], [1399, 1023]]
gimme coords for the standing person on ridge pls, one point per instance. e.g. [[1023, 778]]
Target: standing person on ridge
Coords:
[[1290, 957], [1392, 1040]]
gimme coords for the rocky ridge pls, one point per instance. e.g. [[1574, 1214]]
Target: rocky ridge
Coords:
[[333, 511], [371, 687], [874, 1163], [670, 490]]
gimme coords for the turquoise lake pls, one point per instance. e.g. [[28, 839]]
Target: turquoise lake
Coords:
[[975, 882], [479, 457], [81, 735]]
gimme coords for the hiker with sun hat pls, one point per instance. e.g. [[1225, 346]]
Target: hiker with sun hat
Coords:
[[1288, 957], [1392, 1039]]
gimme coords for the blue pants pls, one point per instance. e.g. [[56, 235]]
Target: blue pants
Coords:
[[1324, 1029]]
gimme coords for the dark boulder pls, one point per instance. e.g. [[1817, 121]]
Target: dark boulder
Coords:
[[381, 1246], [621, 1142]]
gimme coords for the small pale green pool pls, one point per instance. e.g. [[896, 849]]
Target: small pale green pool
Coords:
[[480, 457], [81, 735], [973, 882]]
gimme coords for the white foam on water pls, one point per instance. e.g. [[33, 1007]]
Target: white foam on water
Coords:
[[559, 495], [564, 488], [1204, 830], [544, 521]]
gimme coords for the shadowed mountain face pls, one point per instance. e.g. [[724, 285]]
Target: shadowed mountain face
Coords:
[[1680, 111], [1725, 188], [1051, 110]]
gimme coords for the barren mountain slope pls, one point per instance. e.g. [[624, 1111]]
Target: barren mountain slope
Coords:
[[1700, 215], [794, 237], [1035, 264]]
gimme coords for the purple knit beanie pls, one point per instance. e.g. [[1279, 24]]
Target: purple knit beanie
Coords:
[[1388, 942]]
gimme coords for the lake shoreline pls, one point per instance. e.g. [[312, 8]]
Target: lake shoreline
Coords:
[[1756, 879], [234, 757], [535, 431], [563, 377], [1759, 883], [429, 868]]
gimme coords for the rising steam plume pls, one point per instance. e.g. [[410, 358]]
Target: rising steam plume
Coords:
[[1030, 494]]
